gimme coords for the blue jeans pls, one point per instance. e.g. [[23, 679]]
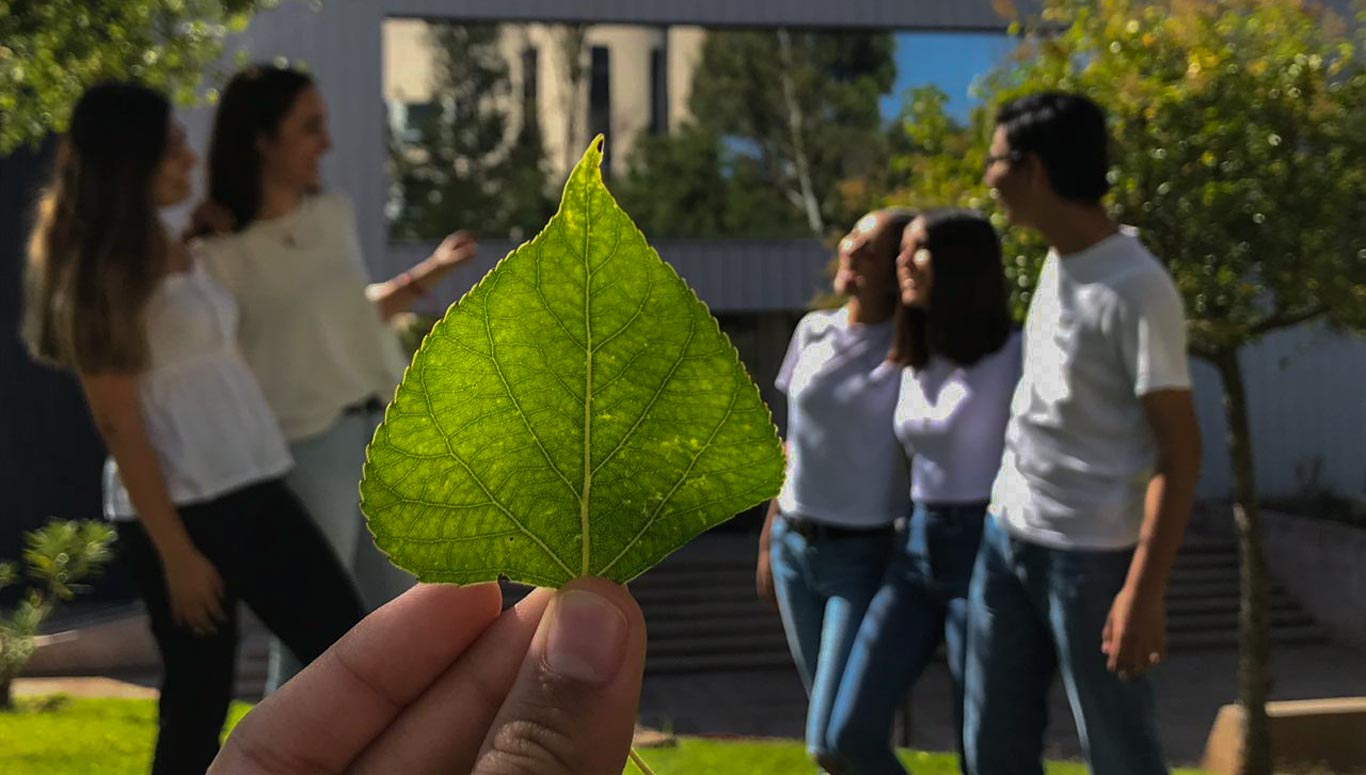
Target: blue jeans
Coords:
[[923, 601], [1035, 611], [326, 478], [823, 588]]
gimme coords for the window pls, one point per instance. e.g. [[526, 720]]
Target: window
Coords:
[[600, 101], [659, 92], [530, 72]]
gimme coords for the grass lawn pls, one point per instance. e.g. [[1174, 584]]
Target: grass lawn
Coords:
[[114, 737]]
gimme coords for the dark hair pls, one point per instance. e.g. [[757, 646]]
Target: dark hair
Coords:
[[98, 249], [897, 219], [254, 104], [1067, 133], [968, 315]]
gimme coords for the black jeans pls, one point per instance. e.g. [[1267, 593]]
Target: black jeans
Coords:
[[271, 557]]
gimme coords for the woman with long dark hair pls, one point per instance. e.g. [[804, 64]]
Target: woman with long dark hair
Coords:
[[193, 479], [961, 363], [313, 330]]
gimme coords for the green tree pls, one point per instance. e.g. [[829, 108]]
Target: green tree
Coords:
[[51, 50], [461, 168], [689, 183], [59, 555], [1238, 157], [779, 119]]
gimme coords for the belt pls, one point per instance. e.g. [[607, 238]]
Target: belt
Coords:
[[371, 405], [823, 531]]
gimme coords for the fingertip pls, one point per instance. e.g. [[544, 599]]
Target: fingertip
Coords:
[[612, 592]]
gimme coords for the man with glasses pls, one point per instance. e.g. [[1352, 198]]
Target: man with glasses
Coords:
[[1099, 470]]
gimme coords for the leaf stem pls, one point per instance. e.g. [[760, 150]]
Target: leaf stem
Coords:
[[640, 763], [587, 384]]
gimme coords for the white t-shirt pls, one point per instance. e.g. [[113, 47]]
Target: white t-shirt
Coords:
[[204, 414], [951, 421], [1105, 327], [316, 344], [844, 463]]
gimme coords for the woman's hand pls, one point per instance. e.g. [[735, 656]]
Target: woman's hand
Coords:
[[456, 249], [210, 218], [195, 589]]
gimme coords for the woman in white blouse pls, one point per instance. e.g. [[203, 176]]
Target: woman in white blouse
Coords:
[[961, 363], [828, 534], [196, 458], [312, 329]]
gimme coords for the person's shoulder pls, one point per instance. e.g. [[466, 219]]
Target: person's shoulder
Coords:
[[220, 254], [818, 321], [334, 206], [1138, 271]]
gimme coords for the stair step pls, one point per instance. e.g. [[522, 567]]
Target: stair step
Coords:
[[718, 662], [1219, 622], [729, 605], [720, 644], [673, 628], [1280, 636], [1221, 604]]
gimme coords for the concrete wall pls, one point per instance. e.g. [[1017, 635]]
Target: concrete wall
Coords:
[[1322, 565]]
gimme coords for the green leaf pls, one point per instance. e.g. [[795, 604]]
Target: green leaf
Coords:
[[578, 412]]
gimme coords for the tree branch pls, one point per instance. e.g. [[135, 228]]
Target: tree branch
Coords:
[[1286, 318]]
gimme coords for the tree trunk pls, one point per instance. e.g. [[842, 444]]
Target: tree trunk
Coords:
[[796, 124], [1254, 664], [6, 693]]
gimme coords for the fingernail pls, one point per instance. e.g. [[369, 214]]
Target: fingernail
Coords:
[[587, 637]]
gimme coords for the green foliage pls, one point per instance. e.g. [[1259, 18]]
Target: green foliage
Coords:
[[461, 168], [59, 555], [688, 184], [578, 412], [51, 50], [1238, 151], [779, 119]]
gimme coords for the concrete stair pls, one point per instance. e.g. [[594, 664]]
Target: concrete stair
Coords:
[[703, 614]]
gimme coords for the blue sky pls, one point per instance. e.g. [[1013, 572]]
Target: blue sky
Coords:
[[948, 60]]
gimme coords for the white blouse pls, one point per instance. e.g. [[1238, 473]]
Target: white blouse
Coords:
[[951, 420], [844, 464], [204, 414], [315, 342]]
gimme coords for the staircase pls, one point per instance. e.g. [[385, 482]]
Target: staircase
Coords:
[[703, 615]]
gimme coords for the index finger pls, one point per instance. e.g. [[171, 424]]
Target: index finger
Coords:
[[330, 712]]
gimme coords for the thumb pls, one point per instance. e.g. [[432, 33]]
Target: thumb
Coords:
[[572, 710]]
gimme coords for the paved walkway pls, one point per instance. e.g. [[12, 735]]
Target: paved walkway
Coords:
[[1190, 689]]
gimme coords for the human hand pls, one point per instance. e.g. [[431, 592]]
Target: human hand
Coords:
[[763, 579], [1135, 634], [456, 249], [210, 218], [438, 681], [196, 591]]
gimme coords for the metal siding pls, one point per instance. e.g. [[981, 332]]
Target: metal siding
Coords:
[[730, 276], [1305, 401]]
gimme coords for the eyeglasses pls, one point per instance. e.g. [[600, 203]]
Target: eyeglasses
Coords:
[[993, 158]]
